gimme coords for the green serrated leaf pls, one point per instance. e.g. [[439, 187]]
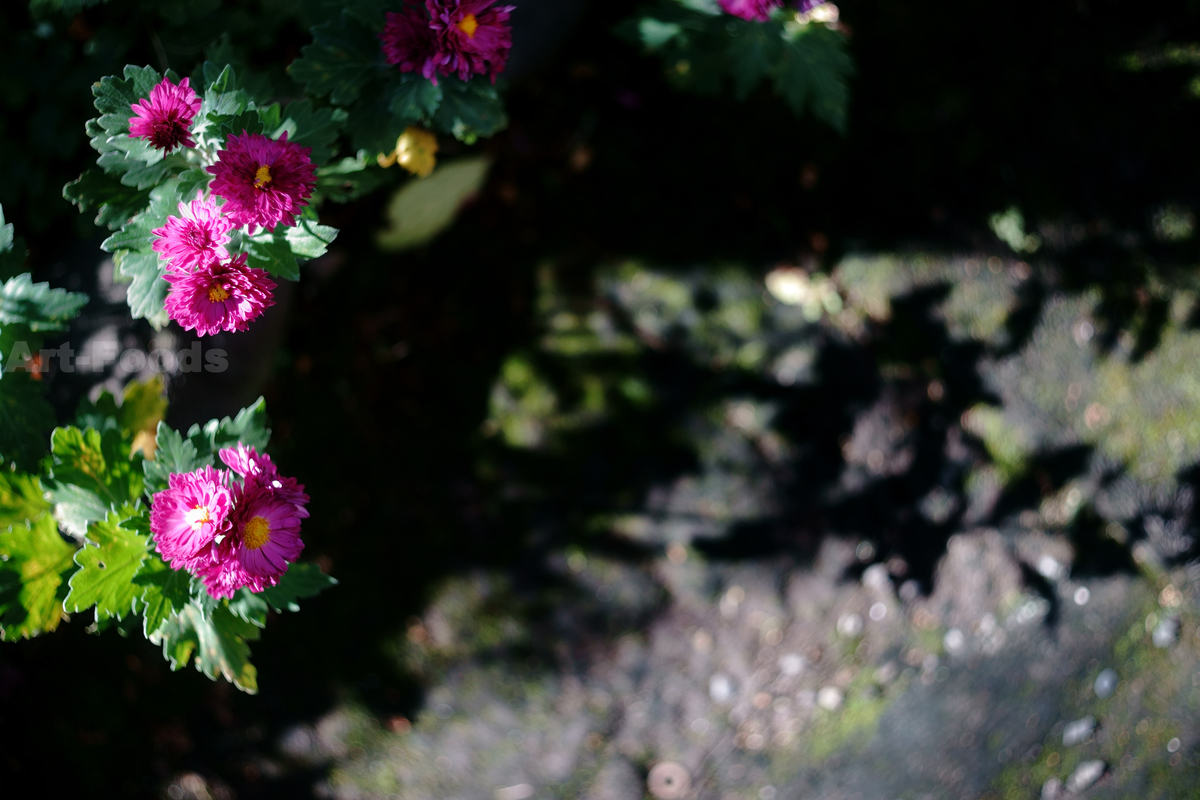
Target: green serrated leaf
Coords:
[[813, 72], [217, 641], [249, 607], [22, 500], [38, 306], [76, 508], [310, 240], [25, 420], [309, 127], [100, 463], [12, 250], [165, 591], [301, 580], [414, 100], [654, 33], [371, 125], [147, 294], [470, 110], [115, 96], [108, 562], [754, 49], [247, 121], [343, 57], [173, 453], [349, 178], [271, 251], [249, 427], [137, 235], [114, 201], [34, 563]]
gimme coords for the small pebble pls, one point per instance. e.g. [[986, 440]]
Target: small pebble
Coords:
[[1051, 789], [1085, 775], [829, 698], [719, 688], [1050, 569], [1082, 595], [876, 577], [1166, 633], [850, 625], [1106, 683], [954, 641], [791, 664], [1078, 731]]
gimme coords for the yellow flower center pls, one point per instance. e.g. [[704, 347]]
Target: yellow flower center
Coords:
[[262, 177], [217, 294], [256, 533], [198, 517], [468, 25]]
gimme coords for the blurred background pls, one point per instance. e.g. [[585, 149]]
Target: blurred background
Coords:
[[670, 446]]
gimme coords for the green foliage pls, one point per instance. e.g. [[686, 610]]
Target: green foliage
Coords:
[[173, 453], [217, 640], [300, 581], [349, 179], [37, 306], [343, 57], [12, 250], [165, 592], [136, 188], [34, 559], [94, 494], [25, 420], [108, 561], [114, 201], [345, 64], [98, 462], [806, 62], [470, 110]]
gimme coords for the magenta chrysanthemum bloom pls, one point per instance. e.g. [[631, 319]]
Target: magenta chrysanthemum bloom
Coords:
[[472, 39], [165, 117], [264, 181], [409, 42], [219, 296], [195, 237], [753, 10], [261, 476], [265, 529], [188, 515]]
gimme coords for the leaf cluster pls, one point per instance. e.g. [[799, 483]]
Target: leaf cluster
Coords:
[[134, 188], [28, 311], [703, 51], [77, 537], [346, 65]]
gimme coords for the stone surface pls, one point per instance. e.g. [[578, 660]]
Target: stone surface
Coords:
[[1085, 775]]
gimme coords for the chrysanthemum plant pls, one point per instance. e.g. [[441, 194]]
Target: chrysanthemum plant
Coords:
[[796, 45], [131, 522], [394, 64], [211, 193]]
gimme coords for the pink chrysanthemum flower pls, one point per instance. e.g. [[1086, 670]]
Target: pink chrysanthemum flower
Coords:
[[753, 10], [264, 181], [187, 516], [409, 42], [261, 476], [264, 540], [219, 296], [165, 117], [472, 39], [195, 237]]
